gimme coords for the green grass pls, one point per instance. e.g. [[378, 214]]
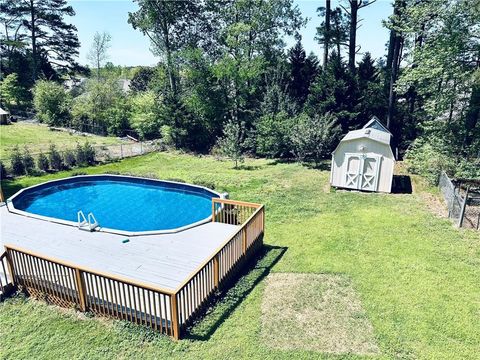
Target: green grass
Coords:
[[38, 137], [416, 275]]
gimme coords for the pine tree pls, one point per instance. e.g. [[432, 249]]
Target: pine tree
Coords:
[[303, 70], [53, 44], [335, 90]]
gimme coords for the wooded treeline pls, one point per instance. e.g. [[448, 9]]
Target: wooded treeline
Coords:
[[226, 82]]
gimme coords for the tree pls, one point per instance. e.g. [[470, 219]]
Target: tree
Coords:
[[51, 102], [352, 11], [101, 109], [303, 70], [142, 78], [327, 33], [12, 94], [248, 41], [394, 57], [335, 90], [371, 96], [274, 135], [231, 144], [337, 36], [170, 26], [313, 138], [145, 121], [444, 71], [41, 24], [98, 51]]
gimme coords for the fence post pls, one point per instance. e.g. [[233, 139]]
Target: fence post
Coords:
[[2, 198], [175, 326], [82, 290], [464, 205], [121, 151], [215, 271]]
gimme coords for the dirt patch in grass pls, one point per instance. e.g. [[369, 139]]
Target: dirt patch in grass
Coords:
[[318, 312]]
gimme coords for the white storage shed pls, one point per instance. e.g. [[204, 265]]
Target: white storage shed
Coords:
[[363, 160]]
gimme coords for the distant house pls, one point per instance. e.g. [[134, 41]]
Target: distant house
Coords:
[[4, 117], [124, 85], [79, 83], [363, 160]]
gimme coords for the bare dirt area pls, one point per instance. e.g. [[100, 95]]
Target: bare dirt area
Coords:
[[316, 312]]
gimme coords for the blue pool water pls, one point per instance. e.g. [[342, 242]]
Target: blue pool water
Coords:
[[126, 204]]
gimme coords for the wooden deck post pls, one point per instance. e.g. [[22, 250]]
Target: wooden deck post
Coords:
[[213, 210], [175, 325], [82, 290], [215, 271], [10, 266]]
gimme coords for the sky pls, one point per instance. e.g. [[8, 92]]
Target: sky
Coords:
[[129, 47]]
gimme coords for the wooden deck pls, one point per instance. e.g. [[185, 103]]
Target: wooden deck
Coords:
[[164, 261]]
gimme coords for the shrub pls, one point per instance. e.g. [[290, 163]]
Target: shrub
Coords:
[[89, 153], [85, 155], [42, 162], [167, 135], [425, 159], [69, 158], [18, 168], [28, 162], [80, 156], [51, 102], [468, 169], [55, 159], [274, 134], [313, 138]]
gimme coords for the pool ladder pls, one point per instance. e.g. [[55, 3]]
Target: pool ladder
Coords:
[[88, 223]]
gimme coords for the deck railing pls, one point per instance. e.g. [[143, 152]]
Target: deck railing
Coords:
[[6, 282], [167, 311]]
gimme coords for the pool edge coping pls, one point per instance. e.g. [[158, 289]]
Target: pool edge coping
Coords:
[[11, 207]]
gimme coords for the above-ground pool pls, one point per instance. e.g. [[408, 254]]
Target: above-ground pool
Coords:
[[120, 204]]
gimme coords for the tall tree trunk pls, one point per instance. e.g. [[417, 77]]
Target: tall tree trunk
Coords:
[[327, 32], [393, 78], [34, 41], [473, 117], [352, 44]]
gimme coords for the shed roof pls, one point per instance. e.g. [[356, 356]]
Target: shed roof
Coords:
[[375, 123], [369, 133], [3, 112]]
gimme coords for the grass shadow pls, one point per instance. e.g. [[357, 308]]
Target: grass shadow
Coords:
[[227, 301], [323, 166], [248, 167]]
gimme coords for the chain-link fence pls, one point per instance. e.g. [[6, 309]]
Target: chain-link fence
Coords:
[[463, 201], [104, 152]]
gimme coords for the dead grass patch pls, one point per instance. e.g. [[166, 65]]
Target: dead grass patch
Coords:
[[319, 312]]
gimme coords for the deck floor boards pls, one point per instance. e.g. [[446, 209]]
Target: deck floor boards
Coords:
[[161, 260]]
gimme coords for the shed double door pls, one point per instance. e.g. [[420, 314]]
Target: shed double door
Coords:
[[362, 171]]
